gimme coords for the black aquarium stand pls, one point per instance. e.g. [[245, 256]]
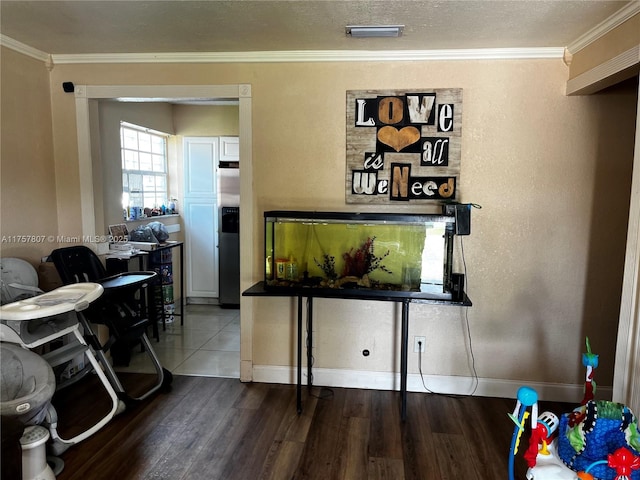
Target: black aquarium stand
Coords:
[[403, 297]]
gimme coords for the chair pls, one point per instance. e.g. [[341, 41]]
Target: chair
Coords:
[[122, 309], [35, 323]]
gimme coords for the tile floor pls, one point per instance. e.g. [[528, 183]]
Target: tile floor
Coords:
[[208, 344]]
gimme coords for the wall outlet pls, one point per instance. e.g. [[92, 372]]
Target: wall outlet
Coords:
[[418, 344]]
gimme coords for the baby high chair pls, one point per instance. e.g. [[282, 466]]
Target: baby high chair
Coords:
[[37, 322], [122, 309]]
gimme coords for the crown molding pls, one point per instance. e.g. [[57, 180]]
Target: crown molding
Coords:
[[617, 69], [24, 49], [312, 56], [292, 56], [615, 20]]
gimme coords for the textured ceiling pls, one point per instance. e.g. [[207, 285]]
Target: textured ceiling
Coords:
[[84, 27]]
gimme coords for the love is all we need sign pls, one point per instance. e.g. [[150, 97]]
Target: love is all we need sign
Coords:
[[403, 145]]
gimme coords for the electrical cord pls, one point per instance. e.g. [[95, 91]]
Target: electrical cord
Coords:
[[468, 328], [466, 317], [432, 392]]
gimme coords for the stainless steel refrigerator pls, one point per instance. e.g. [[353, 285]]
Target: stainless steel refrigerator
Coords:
[[229, 237]]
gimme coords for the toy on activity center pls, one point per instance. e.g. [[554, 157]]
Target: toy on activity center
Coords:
[[598, 440]]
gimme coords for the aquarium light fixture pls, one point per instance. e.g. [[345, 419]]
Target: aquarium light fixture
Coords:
[[368, 31]]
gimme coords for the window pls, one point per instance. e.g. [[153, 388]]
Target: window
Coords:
[[144, 166]]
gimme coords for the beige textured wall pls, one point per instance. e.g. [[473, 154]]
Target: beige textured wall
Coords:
[[27, 176], [206, 120], [551, 172], [546, 252]]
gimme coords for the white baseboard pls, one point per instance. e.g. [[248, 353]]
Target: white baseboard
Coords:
[[447, 384], [202, 301]]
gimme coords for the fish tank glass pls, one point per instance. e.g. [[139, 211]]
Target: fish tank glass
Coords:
[[378, 252]]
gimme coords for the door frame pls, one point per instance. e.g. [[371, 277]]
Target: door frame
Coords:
[[626, 382], [85, 94]]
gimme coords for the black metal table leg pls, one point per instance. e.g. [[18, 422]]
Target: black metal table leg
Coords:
[[309, 342], [299, 385], [181, 250], [403, 358]]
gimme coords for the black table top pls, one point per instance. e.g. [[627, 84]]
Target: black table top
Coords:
[[261, 290], [127, 279]]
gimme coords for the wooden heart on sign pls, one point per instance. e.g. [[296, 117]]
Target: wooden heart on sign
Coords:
[[398, 139]]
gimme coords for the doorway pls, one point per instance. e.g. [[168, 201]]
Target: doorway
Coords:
[[86, 95]]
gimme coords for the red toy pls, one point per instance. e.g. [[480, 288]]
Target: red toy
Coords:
[[624, 462]]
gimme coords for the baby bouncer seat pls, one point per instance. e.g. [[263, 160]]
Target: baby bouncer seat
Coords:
[[18, 279], [27, 384], [41, 322], [122, 309]]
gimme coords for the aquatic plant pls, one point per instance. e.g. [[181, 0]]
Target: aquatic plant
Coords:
[[363, 260], [328, 266]]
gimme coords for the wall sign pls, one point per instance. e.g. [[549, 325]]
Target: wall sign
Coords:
[[403, 145]]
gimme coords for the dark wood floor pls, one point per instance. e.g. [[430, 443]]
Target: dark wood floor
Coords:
[[214, 428]]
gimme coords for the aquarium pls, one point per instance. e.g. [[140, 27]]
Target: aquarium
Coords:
[[378, 252]]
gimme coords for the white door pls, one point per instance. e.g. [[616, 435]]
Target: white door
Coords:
[[201, 216]]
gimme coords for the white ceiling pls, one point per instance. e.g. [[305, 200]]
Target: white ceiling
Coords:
[[139, 26]]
